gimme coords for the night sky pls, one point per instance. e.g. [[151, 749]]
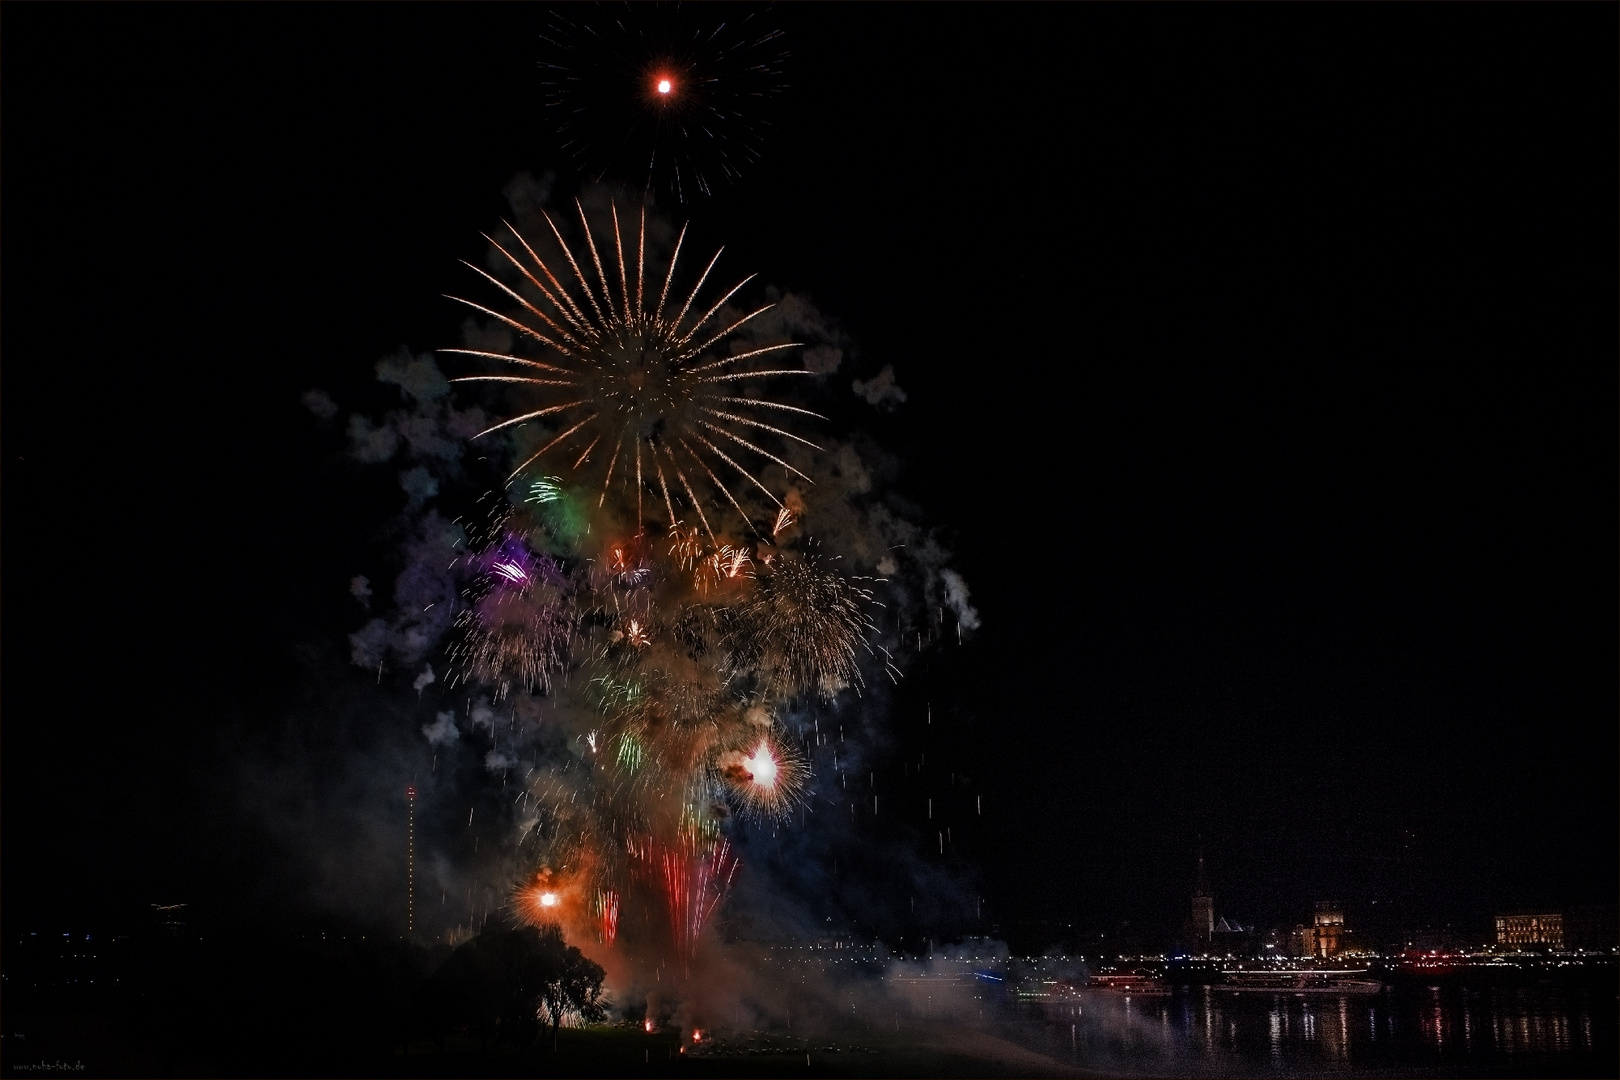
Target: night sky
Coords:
[[1260, 367]]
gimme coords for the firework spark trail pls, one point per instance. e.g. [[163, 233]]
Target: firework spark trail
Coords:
[[607, 910], [622, 369], [696, 877]]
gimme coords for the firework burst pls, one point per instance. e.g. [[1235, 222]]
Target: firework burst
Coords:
[[542, 899], [802, 627], [766, 777], [631, 381], [518, 623], [645, 587], [674, 98]]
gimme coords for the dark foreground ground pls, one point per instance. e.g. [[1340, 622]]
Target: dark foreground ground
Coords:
[[42, 1044], [59, 1044], [323, 1005]]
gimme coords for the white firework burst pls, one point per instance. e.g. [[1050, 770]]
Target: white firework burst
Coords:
[[632, 379]]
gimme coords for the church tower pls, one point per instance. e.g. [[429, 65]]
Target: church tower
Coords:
[[1203, 907]]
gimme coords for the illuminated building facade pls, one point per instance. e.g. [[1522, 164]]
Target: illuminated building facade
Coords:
[[1536, 929], [1302, 941], [1329, 929]]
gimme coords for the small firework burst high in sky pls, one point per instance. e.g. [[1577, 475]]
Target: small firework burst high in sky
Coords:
[[674, 97]]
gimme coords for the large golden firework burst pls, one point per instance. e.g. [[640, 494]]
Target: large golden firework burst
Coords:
[[632, 384]]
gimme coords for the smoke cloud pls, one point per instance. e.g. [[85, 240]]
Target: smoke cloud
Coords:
[[881, 391], [443, 730], [956, 598]]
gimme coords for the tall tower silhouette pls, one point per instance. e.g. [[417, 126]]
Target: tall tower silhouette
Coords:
[[1203, 906], [410, 860]]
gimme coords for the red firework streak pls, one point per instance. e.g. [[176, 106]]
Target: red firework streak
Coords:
[[607, 909], [696, 877]]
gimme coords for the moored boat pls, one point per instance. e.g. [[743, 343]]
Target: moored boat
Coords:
[[1131, 983], [1299, 982]]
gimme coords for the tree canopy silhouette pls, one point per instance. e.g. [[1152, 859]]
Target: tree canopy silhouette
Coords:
[[499, 984]]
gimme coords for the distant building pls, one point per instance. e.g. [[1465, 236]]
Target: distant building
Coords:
[[1545, 929], [1302, 941], [1329, 929], [1203, 908], [170, 919]]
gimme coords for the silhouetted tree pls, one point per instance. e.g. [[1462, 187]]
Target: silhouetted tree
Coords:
[[570, 982], [498, 983]]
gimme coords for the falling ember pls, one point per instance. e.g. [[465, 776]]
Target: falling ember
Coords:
[[664, 86]]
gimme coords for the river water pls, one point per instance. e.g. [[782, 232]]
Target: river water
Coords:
[[1537, 1029]]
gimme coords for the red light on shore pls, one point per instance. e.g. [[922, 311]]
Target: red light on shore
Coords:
[[648, 1024], [697, 1036]]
